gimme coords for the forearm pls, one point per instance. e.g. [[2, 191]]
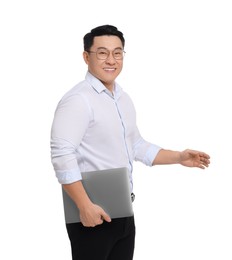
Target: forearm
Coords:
[[90, 214], [167, 157], [78, 194]]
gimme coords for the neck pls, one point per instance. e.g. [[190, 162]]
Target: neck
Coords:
[[109, 87]]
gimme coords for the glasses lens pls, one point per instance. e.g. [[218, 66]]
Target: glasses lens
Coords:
[[118, 54], [102, 54]]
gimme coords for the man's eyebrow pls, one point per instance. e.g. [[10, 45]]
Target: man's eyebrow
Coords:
[[117, 48]]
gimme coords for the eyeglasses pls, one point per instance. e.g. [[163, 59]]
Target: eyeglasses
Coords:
[[103, 53]]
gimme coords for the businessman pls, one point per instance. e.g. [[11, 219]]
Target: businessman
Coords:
[[94, 128]]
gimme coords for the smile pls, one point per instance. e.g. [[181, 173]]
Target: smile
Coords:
[[109, 69]]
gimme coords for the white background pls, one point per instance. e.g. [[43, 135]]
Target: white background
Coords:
[[177, 70]]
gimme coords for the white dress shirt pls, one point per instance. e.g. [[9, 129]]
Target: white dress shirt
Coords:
[[94, 129]]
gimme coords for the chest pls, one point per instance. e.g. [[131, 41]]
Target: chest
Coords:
[[112, 118]]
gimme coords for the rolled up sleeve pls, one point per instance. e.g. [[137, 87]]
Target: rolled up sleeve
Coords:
[[69, 125], [146, 152]]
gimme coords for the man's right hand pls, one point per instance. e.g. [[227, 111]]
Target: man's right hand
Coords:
[[93, 215]]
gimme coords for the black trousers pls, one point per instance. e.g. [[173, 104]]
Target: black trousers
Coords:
[[109, 241]]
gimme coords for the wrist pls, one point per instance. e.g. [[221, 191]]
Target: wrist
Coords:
[[84, 203], [178, 157]]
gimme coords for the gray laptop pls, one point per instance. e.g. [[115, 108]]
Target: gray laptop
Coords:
[[110, 189]]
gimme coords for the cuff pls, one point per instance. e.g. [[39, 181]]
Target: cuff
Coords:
[[151, 154], [69, 176]]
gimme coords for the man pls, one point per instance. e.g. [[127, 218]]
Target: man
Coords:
[[94, 128]]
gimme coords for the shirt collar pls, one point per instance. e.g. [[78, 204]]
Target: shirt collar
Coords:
[[99, 87]]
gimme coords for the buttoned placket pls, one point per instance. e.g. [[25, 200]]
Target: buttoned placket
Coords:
[[115, 97]]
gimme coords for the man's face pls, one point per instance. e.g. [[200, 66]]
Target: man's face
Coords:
[[108, 69]]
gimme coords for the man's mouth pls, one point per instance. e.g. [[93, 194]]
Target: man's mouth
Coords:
[[109, 69]]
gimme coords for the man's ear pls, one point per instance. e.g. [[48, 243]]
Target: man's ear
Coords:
[[86, 57]]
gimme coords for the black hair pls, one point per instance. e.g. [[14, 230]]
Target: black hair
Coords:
[[100, 31]]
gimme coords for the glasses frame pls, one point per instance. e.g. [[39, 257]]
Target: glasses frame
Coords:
[[123, 53]]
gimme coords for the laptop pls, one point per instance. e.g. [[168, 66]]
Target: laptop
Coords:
[[110, 189]]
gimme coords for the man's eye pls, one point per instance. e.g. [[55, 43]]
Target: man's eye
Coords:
[[102, 52]]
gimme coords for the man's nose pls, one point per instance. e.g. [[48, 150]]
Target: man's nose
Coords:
[[110, 59]]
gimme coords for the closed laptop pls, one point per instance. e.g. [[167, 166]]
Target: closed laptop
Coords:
[[110, 189]]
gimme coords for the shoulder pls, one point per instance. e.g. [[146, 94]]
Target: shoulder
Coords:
[[78, 89], [76, 97]]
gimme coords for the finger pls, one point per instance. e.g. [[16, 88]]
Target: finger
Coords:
[[106, 217], [202, 165], [89, 223], [204, 155], [99, 221], [205, 161], [86, 224]]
